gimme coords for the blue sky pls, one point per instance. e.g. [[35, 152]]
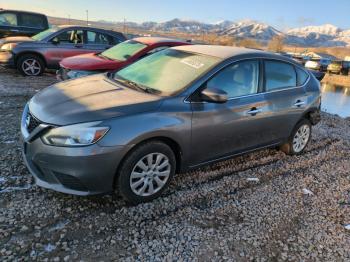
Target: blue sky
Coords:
[[282, 14]]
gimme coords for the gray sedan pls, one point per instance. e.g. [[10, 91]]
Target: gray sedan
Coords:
[[175, 110]]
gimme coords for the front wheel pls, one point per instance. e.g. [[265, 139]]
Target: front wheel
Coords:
[[146, 172], [30, 65], [299, 138]]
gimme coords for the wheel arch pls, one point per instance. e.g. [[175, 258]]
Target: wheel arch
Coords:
[[30, 53], [174, 146]]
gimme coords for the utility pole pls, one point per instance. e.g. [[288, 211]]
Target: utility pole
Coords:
[[124, 26], [69, 19], [87, 17]]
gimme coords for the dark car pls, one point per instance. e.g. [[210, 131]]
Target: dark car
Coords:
[[20, 23], [174, 110], [31, 55], [339, 67], [114, 58]]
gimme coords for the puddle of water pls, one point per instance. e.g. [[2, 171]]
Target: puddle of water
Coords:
[[336, 99]]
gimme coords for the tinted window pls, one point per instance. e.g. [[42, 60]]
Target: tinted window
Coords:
[[302, 76], [98, 38], [8, 19], [279, 75], [36, 21], [237, 80]]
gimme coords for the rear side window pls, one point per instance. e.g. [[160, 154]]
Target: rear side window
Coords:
[[35, 21], [8, 19], [279, 75], [302, 76], [98, 38]]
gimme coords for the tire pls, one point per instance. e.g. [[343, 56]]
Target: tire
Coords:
[[142, 176], [30, 65], [291, 146]]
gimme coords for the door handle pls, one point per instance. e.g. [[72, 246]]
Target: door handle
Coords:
[[299, 103], [254, 111]]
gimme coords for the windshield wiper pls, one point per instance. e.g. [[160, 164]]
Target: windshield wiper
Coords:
[[138, 87]]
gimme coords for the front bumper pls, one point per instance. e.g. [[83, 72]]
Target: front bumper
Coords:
[[7, 59], [85, 170]]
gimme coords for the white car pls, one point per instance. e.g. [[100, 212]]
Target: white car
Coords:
[[313, 64]]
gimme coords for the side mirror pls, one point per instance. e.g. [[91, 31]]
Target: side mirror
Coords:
[[55, 41], [214, 95]]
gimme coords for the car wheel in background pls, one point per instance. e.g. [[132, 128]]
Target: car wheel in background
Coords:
[[146, 172], [299, 138], [30, 65]]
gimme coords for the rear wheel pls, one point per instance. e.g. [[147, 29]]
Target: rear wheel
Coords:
[[146, 172], [30, 65], [299, 138]]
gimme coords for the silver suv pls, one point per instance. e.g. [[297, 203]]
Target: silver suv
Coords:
[[178, 109]]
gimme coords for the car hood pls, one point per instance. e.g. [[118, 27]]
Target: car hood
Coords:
[[90, 62], [15, 39], [90, 98]]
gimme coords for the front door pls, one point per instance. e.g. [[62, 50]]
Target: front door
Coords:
[[219, 130]]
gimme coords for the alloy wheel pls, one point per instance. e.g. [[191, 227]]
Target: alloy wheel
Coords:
[[301, 138], [31, 67], [150, 174]]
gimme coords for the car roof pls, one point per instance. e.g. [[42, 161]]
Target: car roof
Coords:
[[157, 40], [19, 11], [223, 52]]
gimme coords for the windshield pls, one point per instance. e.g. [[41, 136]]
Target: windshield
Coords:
[[167, 71], [42, 35], [124, 50]]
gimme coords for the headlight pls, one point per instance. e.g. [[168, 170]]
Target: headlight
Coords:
[[75, 135], [79, 73], [8, 46]]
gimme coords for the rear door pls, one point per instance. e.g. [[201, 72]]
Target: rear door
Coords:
[[97, 41], [8, 24], [285, 95]]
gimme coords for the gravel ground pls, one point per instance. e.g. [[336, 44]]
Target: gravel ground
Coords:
[[263, 206]]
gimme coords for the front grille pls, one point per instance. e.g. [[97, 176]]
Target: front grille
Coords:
[[70, 182], [32, 123]]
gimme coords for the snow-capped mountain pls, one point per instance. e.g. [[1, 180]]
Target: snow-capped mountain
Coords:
[[251, 29], [326, 29], [322, 35]]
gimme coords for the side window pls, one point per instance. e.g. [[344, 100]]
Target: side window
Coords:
[[98, 38], [302, 76], [157, 49], [239, 79], [35, 21], [279, 75], [71, 36], [8, 19]]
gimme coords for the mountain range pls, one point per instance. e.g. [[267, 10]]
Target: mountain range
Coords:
[[323, 35]]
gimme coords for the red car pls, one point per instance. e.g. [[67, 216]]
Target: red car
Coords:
[[114, 58]]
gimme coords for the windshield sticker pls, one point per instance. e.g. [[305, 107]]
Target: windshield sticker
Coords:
[[192, 63]]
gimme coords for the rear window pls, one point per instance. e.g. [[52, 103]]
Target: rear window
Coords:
[[279, 75], [35, 21], [8, 19], [302, 76]]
